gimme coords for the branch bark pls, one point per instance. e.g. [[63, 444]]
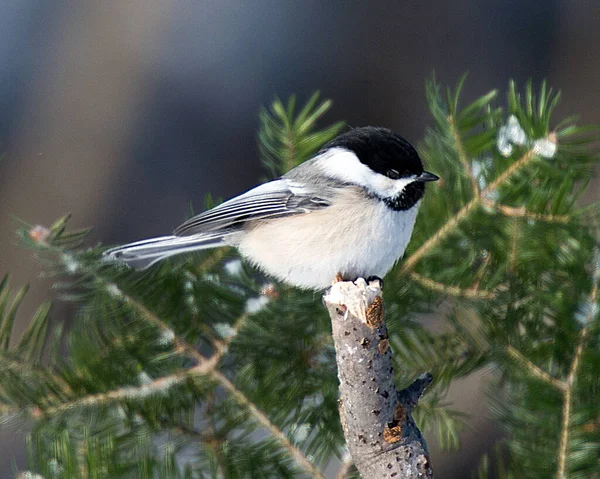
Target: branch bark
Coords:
[[381, 434]]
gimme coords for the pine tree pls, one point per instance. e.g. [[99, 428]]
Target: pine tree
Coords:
[[200, 367]]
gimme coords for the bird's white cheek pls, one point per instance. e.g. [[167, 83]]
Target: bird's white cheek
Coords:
[[386, 187], [345, 165]]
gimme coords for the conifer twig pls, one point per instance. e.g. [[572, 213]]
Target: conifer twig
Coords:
[[222, 345], [209, 366], [180, 345], [512, 212], [296, 453], [213, 259], [479, 274], [570, 384], [534, 369], [464, 212], [289, 144], [471, 292], [514, 244], [16, 365], [462, 155], [161, 386], [158, 386], [380, 432]]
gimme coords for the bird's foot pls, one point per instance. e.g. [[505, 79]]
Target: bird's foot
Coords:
[[339, 278], [373, 279]]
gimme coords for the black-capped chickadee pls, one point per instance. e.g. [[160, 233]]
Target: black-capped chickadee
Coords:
[[348, 211]]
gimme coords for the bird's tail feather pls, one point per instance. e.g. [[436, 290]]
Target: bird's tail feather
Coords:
[[143, 254]]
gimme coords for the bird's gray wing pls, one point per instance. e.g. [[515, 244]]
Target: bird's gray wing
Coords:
[[275, 199]]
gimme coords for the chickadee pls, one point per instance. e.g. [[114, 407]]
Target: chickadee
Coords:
[[348, 211]]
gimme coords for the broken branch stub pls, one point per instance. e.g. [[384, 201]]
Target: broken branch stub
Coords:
[[381, 434]]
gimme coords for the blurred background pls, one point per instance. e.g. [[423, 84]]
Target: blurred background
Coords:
[[125, 112]]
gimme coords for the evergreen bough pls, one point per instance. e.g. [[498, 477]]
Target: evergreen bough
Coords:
[[201, 368]]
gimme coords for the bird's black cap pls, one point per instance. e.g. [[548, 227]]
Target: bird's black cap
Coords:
[[381, 149], [388, 154]]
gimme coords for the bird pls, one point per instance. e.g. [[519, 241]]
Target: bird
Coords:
[[347, 212]]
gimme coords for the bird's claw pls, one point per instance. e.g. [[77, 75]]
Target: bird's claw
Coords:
[[373, 279]]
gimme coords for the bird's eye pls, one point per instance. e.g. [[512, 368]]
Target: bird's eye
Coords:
[[393, 174]]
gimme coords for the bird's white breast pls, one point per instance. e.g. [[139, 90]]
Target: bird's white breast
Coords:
[[356, 236]]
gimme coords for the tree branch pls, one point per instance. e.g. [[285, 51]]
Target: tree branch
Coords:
[[381, 434]]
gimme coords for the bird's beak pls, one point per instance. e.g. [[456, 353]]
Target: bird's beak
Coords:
[[426, 176]]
